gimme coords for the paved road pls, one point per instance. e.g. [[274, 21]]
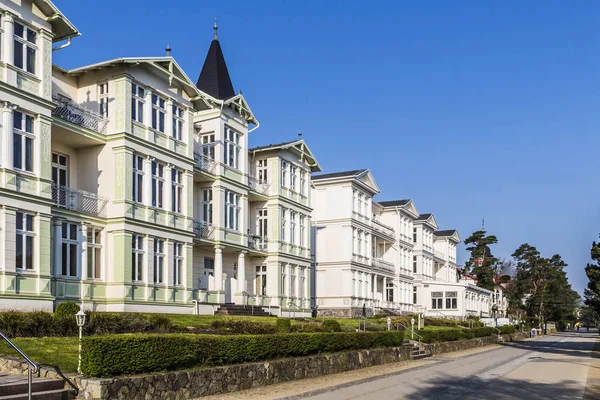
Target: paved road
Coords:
[[550, 367]]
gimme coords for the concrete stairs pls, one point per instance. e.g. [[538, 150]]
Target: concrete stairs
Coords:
[[241, 310], [419, 352], [15, 387]]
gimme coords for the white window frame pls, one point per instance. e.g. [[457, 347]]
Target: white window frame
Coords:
[[178, 264], [389, 291], [27, 44], [138, 94], [292, 177], [262, 224], [260, 283], [301, 219], [137, 258], [69, 229], [262, 171], [159, 261], [283, 279], [284, 166], [293, 280], [22, 136], [176, 189], [208, 145], [292, 227], [437, 300], [177, 131], [94, 256], [232, 148], [159, 112], [302, 182], [138, 179], [452, 298], [232, 210], [27, 234], [302, 279], [103, 99], [283, 215], [158, 184], [207, 205]]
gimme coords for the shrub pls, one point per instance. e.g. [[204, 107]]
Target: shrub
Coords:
[[309, 327], [284, 325], [240, 326], [105, 356], [332, 325], [507, 329], [66, 310]]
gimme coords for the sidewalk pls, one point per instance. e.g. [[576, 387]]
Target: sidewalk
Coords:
[[592, 386]]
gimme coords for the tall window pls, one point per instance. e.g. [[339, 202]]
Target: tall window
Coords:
[[137, 258], [178, 263], [293, 270], [389, 291], [292, 227], [260, 288], [176, 189], [283, 237], [22, 141], [302, 182], [207, 206], [415, 264], [284, 166], [177, 122], [24, 48], [354, 241], [103, 99], [302, 273], [232, 148], [69, 249], [24, 245], [283, 280], [208, 145], [360, 243], [293, 177], [261, 223], [94, 253], [138, 178], [360, 203], [437, 300], [354, 200], [261, 166], [159, 260], [137, 103], [209, 266], [158, 113], [232, 210], [414, 295], [60, 168], [414, 235], [301, 235], [158, 183], [451, 300]]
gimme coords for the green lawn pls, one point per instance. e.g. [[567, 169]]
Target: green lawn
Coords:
[[56, 351]]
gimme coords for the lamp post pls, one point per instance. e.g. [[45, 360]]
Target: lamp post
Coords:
[[80, 318], [412, 326]]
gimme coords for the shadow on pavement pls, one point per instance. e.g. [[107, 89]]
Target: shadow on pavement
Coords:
[[580, 348]]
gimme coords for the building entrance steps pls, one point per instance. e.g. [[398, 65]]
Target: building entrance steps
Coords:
[[15, 387]]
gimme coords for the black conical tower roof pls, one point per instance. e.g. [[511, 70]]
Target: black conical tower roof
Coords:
[[214, 78]]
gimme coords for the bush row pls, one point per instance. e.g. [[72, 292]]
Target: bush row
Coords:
[[449, 335], [105, 356]]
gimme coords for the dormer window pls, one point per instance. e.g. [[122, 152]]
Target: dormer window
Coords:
[[24, 48], [158, 113]]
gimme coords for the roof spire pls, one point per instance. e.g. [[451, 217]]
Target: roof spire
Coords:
[[215, 27], [299, 135], [168, 50]]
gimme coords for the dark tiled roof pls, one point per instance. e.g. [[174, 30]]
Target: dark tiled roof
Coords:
[[214, 78], [271, 146], [448, 232], [423, 217], [338, 174], [393, 203]]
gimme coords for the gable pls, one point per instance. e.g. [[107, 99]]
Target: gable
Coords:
[[431, 221], [367, 178], [410, 208]]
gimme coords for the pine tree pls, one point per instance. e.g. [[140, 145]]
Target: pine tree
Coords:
[[592, 293], [479, 247]]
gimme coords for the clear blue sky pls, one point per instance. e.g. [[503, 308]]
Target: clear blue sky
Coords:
[[472, 109]]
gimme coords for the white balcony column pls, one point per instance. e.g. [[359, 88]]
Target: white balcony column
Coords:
[[241, 272], [168, 189], [6, 145], [57, 256], [147, 200], [147, 121], [82, 239], [384, 288], [7, 38], [218, 268], [169, 122]]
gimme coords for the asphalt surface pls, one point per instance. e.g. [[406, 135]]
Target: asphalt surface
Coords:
[[549, 367]]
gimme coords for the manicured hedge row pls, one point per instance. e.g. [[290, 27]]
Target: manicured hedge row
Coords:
[[105, 356], [449, 335]]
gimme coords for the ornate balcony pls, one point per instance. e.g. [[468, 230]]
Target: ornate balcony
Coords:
[[203, 229], [79, 200], [257, 185], [383, 229], [258, 243], [78, 115], [383, 265], [204, 163]]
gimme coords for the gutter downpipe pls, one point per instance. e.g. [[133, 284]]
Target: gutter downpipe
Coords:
[[62, 46]]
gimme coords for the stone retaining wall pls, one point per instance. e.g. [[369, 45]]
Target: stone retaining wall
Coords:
[[202, 382]]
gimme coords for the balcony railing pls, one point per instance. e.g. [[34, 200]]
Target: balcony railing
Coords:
[[383, 229], [203, 229], [439, 254], [204, 162], [381, 264], [258, 243], [78, 115], [79, 200], [258, 185]]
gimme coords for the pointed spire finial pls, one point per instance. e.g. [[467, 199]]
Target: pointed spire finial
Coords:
[[168, 50], [299, 135], [215, 27]]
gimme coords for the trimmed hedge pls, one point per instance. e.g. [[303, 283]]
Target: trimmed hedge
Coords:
[[105, 356], [450, 335], [332, 325], [284, 325]]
